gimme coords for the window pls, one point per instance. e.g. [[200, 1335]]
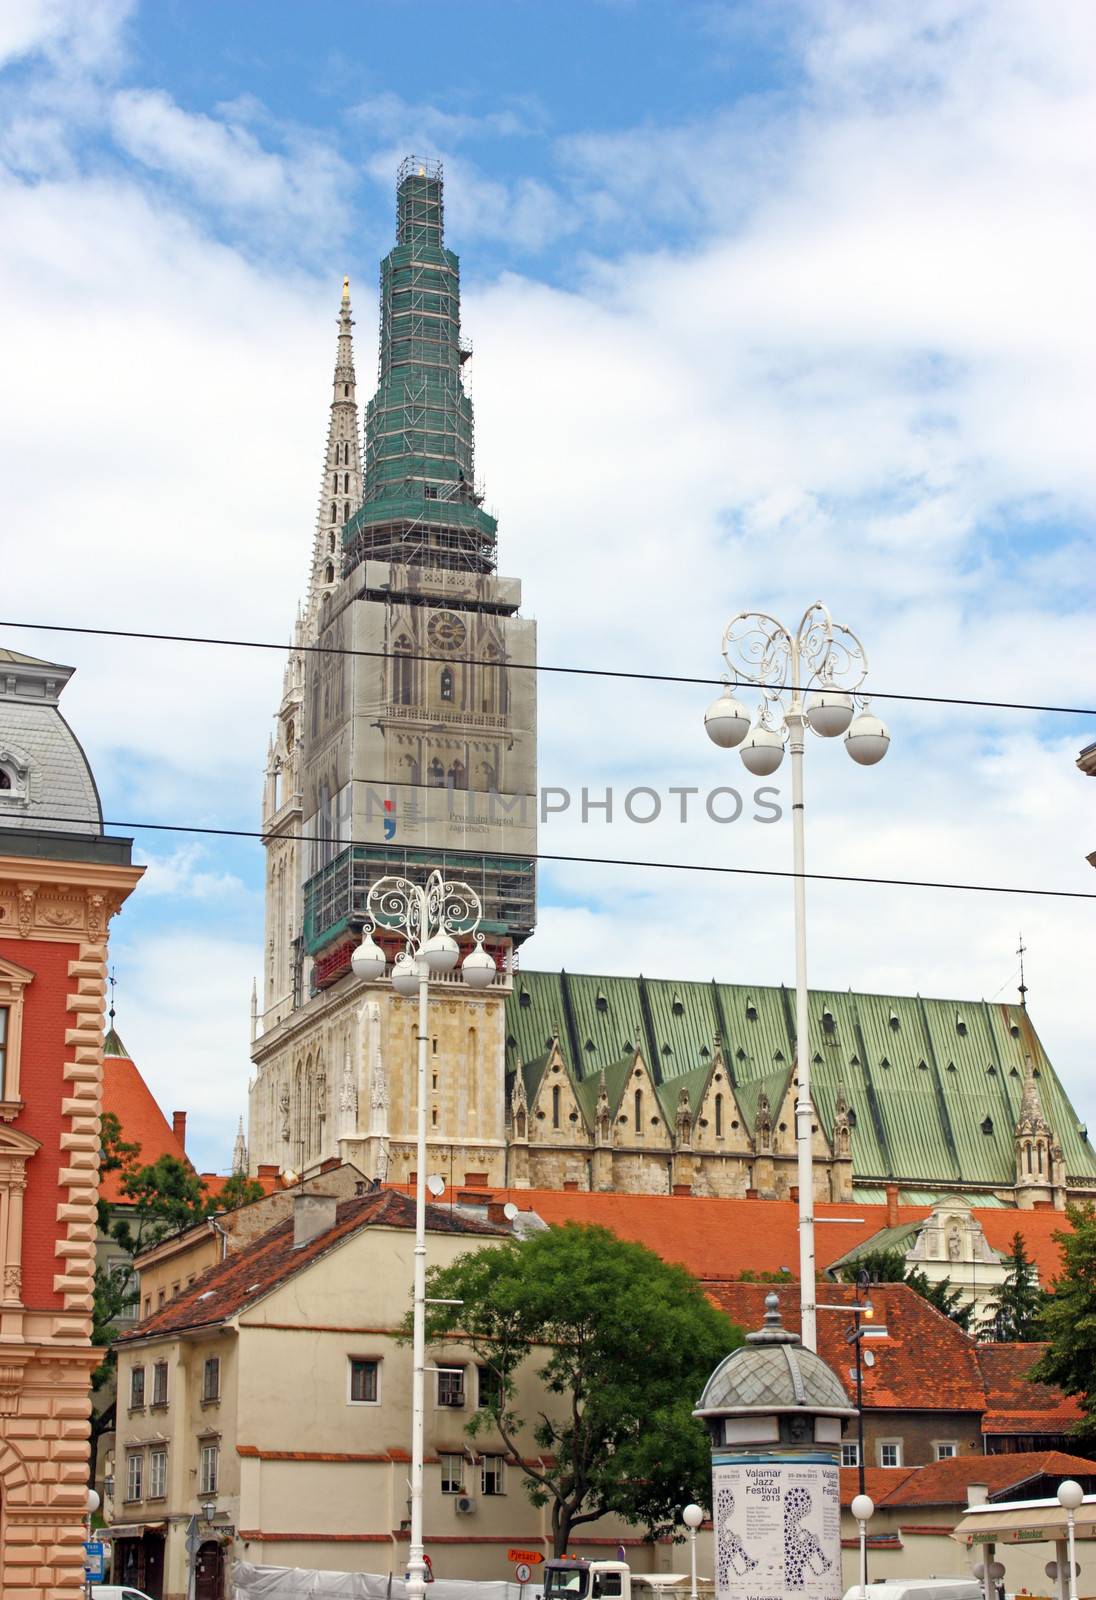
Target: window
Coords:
[[211, 1379], [890, 1452], [719, 1116], [491, 1475], [137, 1388], [945, 1449], [488, 1388], [135, 1473], [159, 1384], [148, 1306], [555, 1107], [452, 1473], [446, 684], [365, 1387], [450, 1386], [638, 1111], [3, 1019], [13, 980], [850, 1454], [402, 668], [607, 1585], [210, 1469], [157, 1475]]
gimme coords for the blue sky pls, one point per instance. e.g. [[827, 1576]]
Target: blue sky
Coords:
[[769, 303]]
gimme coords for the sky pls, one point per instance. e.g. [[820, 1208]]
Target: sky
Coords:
[[771, 303]]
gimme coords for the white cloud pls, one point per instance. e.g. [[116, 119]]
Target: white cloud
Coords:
[[76, 34], [223, 163], [869, 382], [183, 874]]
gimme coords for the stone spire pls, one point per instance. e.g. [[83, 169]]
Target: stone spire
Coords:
[[1031, 1120], [239, 1153], [341, 484]]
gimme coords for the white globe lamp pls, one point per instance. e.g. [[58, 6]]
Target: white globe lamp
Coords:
[[405, 975], [692, 1516], [763, 751], [726, 721], [479, 969], [441, 952], [1070, 1494], [829, 712], [863, 1507], [368, 959], [867, 740]]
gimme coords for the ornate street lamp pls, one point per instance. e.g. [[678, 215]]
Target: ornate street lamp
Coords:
[[822, 666], [427, 919]]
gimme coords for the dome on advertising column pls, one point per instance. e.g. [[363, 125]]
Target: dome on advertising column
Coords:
[[773, 1371]]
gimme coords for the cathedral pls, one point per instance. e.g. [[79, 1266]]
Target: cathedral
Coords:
[[405, 741]]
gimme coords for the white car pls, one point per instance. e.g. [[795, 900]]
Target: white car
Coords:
[[117, 1591]]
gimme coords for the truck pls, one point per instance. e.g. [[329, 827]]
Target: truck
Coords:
[[571, 1578]]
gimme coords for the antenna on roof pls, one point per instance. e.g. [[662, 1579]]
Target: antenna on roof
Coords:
[[1021, 952]]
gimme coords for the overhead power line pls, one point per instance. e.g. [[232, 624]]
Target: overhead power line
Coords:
[[604, 861], [530, 666]]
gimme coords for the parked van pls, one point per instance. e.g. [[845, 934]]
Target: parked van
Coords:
[[919, 1589]]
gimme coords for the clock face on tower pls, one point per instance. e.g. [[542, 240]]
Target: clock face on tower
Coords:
[[446, 631]]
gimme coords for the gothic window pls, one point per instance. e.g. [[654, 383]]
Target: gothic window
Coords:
[[346, 512], [5, 778], [334, 512], [346, 483], [335, 485], [331, 544], [638, 1110], [719, 1116], [458, 776], [436, 774], [446, 684], [555, 1107], [402, 668], [329, 573], [1039, 1156], [1027, 1156], [346, 389]]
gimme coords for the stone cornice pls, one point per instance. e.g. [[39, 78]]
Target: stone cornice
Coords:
[[61, 901]]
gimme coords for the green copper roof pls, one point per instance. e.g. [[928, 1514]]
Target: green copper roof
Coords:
[[933, 1086], [113, 1048]]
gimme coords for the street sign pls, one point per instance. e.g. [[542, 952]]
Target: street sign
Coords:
[[532, 1558], [93, 1560], [523, 1572]]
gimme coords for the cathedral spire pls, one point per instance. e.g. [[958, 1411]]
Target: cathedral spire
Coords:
[[341, 483]]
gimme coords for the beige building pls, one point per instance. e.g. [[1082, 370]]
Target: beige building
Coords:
[[267, 1410]]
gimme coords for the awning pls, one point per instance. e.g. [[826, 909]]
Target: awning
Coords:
[[132, 1530], [1024, 1524]]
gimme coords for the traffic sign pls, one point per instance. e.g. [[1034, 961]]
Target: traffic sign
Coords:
[[532, 1557], [523, 1572]]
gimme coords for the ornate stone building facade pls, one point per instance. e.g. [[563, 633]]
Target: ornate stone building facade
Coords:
[[405, 740], [61, 881]]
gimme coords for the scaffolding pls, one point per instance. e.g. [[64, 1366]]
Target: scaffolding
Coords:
[[421, 505]]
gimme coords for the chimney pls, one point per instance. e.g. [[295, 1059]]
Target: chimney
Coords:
[[268, 1169], [977, 1494], [496, 1212], [893, 1218], [178, 1128], [313, 1214]]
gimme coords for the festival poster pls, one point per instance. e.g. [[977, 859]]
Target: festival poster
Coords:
[[777, 1531]]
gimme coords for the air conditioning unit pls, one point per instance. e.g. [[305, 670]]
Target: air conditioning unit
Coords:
[[465, 1504]]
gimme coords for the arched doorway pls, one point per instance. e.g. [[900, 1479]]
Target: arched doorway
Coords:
[[209, 1572]]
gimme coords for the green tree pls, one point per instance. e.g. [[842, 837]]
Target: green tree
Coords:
[[890, 1266], [621, 1340], [1069, 1318], [1017, 1312]]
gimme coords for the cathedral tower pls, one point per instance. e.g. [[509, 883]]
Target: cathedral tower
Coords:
[[405, 741]]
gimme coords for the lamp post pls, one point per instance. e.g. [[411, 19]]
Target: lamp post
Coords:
[[426, 917], [692, 1517], [92, 1508], [863, 1509], [1070, 1495], [827, 659]]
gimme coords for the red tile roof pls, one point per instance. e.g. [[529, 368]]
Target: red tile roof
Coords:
[[246, 1275], [129, 1097], [722, 1239], [1013, 1405], [879, 1482], [924, 1363], [1011, 1476]]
